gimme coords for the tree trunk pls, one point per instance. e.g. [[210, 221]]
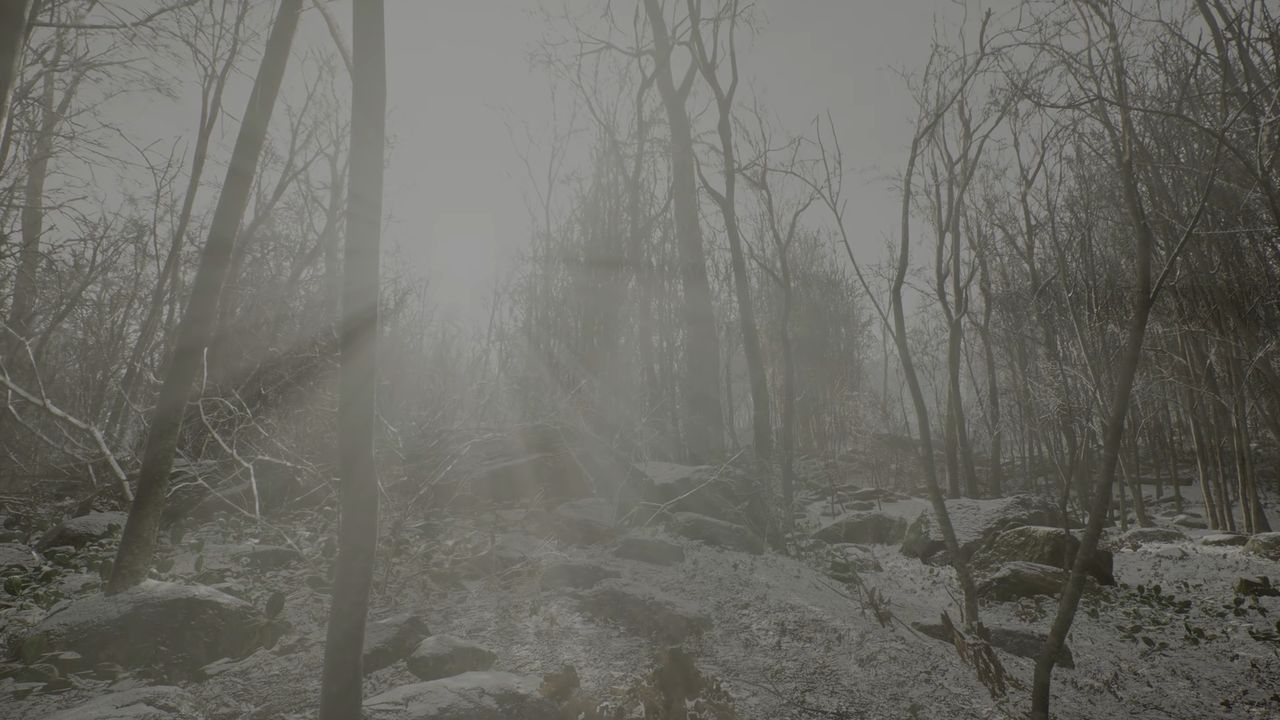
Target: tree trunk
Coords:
[[133, 559], [341, 687], [166, 281], [15, 18], [703, 415], [1123, 141]]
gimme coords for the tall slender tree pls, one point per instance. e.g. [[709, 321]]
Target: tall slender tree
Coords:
[[15, 17], [703, 418], [340, 693], [707, 62], [195, 330]]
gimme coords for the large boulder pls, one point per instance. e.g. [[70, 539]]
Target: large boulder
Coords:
[[1020, 579], [1015, 641], [548, 475], [919, 541], [18, 557], [650, 550], [80, 531], [441, 656], [159, 702], [171, 628], [469, 696], [1266, 545], [588, 521], [388, 641], [269, 557], [976, 521], [1224, 540], [847, 561], [703, 489], [868, 528], [1137, 537], [1043, 545], [576, 574], [644, 611], [716, 533]]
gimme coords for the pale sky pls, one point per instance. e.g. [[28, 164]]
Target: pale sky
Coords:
[[459, 70]]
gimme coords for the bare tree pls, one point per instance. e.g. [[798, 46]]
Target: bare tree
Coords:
[[708, 64], [196, 327], [342, 683], [704, 419]]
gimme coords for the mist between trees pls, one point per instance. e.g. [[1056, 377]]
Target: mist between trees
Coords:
[[1078, 301]]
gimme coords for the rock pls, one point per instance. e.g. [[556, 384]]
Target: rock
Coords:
[[1020, 579], [702, 489], [388, 641], [644, 611], [1189, 521], [1137, 537], [172, 628], [20, 557], [872, 528], [859, 505], [270, 557], [441, 656], [1224, 540], [847, 559], [716, 533], [509, 550], [158, 702], [1265, 544], [469, 696], [918, 541], [552, 476], [80, 531], [1261, 587], [1043, 545], [869, 494], [1015, 641], [575, 574], [588, 521], [649, 550]]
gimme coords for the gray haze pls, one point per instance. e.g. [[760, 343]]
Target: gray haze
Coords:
[[460, 72]]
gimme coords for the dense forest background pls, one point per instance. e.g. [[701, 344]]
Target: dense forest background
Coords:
[[1079, 299]]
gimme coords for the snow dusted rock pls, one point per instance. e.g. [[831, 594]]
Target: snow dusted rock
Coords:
[[871, 528], [80, 531], [161, 702], [1137, 537], [575, 574], [1224, 540], [387, 641], [441, 656], [1021, 579], [469, 696], [716, 533], [270, 557], [702, 489], [1043, 545], [1265, 544], [919, 542], [15, 556], [650, 550], [1189, 521], [848, 558], [644, 611], [1015, 641], [173, 628], [588, 521], [553, 474]]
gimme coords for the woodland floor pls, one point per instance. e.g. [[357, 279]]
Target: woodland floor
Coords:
[[785, 640]]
